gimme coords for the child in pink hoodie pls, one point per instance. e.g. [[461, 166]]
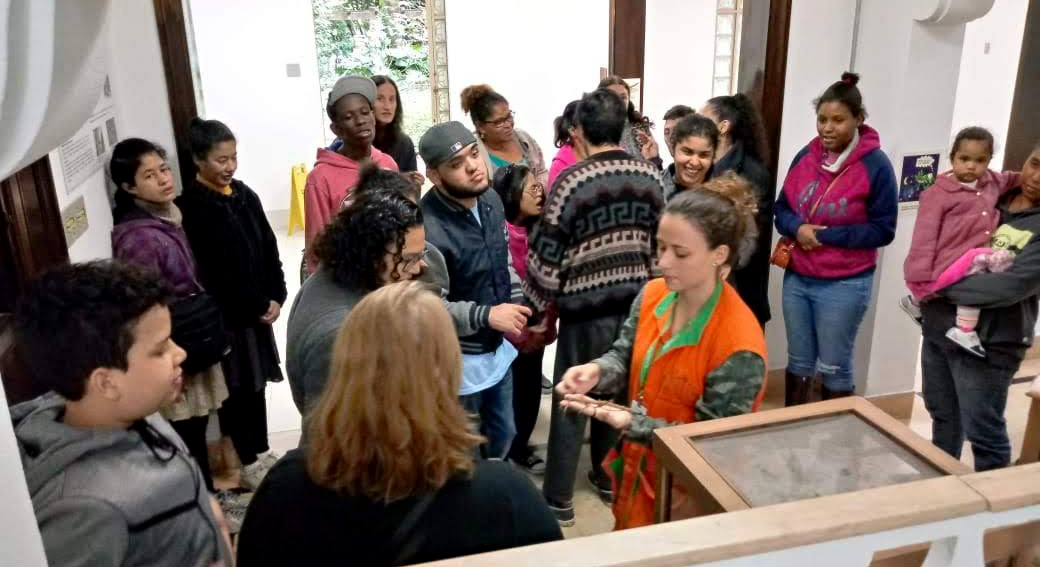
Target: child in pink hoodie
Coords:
[[335, 174], [956, 222]]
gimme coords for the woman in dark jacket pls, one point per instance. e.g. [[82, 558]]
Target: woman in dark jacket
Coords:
[[238, 263], [148, 233], [742, 149], [966, 395]]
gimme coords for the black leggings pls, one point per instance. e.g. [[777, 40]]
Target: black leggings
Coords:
[[193, 432], [243, 417], [527, 400]]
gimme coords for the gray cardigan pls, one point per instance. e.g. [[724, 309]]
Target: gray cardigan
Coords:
[[318, 311]]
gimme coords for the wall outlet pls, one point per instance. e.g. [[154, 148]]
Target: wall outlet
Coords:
[[985, 49], [74, 219]]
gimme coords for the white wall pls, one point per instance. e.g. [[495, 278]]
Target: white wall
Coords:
[[19, 536], [818, 52], [680, 57], [984, 94], [243, 47], [539, 54]]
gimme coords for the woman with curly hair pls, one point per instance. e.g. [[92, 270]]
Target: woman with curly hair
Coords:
[[376, 240]]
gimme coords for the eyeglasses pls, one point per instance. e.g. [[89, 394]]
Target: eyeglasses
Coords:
[[536, 189], [410, 263], [501, 122]]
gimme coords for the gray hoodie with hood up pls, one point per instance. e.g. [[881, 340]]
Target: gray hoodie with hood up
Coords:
[[114, 497]]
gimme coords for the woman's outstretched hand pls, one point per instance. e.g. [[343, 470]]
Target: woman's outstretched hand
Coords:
[[612, 415], [579, 379]]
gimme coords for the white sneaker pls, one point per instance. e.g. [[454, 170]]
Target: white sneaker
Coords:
[[967, 340], [907, 304], [253, 474]]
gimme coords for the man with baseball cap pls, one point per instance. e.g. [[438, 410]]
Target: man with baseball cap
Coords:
[[335, 174], [466, 223]]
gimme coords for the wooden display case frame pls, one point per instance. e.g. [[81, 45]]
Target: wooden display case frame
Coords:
[[679, 461]]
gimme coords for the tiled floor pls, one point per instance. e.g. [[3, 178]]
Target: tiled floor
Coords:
[[592, 515]]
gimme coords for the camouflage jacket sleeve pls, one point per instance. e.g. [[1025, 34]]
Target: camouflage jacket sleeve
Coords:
[[729, 390], [613, 365]]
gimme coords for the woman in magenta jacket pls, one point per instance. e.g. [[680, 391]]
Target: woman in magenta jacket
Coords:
[[839, 203]]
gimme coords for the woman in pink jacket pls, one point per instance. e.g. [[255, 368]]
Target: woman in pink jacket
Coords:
[[956, 222], [839, 204]]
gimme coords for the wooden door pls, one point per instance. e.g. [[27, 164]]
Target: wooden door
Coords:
[[31, 240]]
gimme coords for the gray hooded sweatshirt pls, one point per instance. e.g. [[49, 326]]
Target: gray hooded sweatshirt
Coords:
[[114, 497]]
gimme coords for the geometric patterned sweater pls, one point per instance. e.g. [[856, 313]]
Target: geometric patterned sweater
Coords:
[[594, 246]]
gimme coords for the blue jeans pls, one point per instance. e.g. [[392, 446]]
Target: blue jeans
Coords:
[[822, 318], [966, 396], [494, 408]]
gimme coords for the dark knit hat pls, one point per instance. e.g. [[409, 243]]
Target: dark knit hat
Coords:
[[444, 140]]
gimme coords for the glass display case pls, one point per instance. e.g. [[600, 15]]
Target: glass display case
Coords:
[[795, 453]]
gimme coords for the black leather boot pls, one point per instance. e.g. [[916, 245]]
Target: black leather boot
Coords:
[[796, 389], [828, 394]]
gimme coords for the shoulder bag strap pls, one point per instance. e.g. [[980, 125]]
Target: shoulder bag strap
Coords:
[[834, 182]]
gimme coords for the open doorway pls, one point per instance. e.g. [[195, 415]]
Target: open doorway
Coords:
[[377, 37]]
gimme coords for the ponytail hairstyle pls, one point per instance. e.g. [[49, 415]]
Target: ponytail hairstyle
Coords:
[[695, 125], [846, 92], [204, 134], [634, 117], [563, 123], [387, 136], [479, 100], [723, 209], [745, 124], [509, 184], [126, 160]]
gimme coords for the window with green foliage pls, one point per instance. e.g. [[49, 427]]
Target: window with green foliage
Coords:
[[377, 37]]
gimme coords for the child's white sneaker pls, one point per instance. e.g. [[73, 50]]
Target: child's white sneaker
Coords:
[[967, 340], [907, 304]]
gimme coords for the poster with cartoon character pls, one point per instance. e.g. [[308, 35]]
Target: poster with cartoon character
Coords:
[[918, 173]]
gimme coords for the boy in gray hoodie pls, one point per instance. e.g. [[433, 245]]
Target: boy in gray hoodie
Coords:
[[111, 482]]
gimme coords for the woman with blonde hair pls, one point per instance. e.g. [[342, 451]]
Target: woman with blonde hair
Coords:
[[388, 475]]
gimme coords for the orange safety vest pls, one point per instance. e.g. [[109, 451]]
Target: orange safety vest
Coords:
[[669, 373]]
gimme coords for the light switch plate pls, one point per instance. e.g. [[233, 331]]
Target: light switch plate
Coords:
[[292, 70], [74, 219]]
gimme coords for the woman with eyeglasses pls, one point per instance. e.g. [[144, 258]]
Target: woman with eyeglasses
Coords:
[[500, 142], [522, 199], [376, 240]]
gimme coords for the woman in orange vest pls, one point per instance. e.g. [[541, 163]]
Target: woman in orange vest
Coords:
[[690, 349]]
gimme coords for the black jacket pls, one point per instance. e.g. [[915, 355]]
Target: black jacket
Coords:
[[752, 281], [477, 258], [1008, 299], [236, 251], [292, 521]]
